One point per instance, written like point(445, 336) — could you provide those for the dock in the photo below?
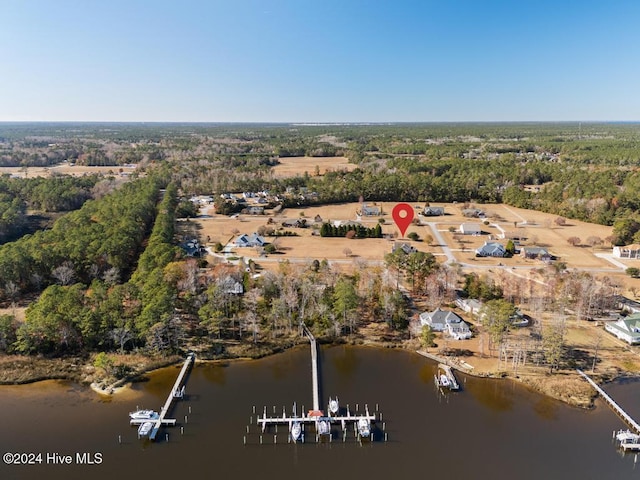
point(314, 368)
point(448, 372)
point(176, 393)
point(614, 406)
point(629, 440)
point(316, 417)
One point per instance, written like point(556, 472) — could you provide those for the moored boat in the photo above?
point(334, 406)
point(323, 426)
point(296, 430)
point(145, 429)
point(364, 427)
point(143, 415)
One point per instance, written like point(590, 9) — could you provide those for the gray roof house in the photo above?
point(405, 247)
point(535, 253)
point(253, 240)
point(491, 249)
point(368, 211)
point(433, 211)
point(446, 321)
point(470, 229)
point(469, 305)
point(231, 285)
point(627, 329)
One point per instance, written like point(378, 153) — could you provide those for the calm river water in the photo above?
point(491, 429)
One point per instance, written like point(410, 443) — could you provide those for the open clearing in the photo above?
point(292, 166)
point(66, 169)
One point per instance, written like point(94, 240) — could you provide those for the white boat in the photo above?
point(296, 430)
point(145, 429)
point(445, 378)
point(364, 428)
point(143, 415)
point(334, 406)
point(323, 426)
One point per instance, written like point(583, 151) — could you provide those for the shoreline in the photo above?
point(565, 386)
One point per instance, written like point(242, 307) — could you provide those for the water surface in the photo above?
point(491, 429)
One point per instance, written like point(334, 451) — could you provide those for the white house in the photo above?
point(628, 251)
point(470, 229)
point(446, 321)
point(469, 305)
point(627, 329)
point(491, 249)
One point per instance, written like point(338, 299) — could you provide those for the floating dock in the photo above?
point(176, 393)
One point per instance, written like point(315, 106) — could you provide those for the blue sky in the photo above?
point(319, 60)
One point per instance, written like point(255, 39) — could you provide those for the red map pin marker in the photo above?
point(402, 214)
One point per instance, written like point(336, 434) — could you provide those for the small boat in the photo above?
point(443, 381)
point(445, 378)
point(334, 406)
point(323, 426)
point(364, 428)
point(296, 430)
point(145, 429)
point(143, 415)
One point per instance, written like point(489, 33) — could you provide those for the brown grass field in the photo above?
point(292, 166)
point(539, 228)
point(64, 169)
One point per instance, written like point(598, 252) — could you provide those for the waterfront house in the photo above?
point(446, 321)
point(626, 329)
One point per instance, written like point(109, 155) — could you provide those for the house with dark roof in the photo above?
point(446, 321)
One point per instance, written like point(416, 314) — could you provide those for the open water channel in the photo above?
point(490, 429)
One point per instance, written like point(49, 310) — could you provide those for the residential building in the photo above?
point(537, 253)
point(470, 229)
point(627, 251)
point(405, 247)
point(491, 249)
point(626, 329)
point(253, 240)
point(446, 321)
point(433, 211)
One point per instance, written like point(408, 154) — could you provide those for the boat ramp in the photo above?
point(157, 420)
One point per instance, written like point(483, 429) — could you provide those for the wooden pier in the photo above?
point(176, 393)
point(614, 406)
point(314, 368)
point(316, 416)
